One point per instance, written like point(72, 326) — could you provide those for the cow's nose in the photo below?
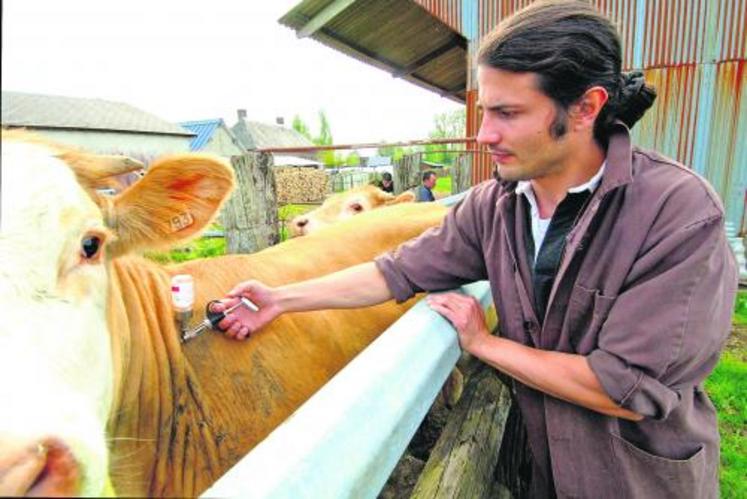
point(44, 468)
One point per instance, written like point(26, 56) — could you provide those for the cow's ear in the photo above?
point(174, 201)
point(405, 197)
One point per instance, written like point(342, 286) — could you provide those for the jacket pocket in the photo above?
point(587, 311)
point(646, 475)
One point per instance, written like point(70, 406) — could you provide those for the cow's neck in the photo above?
point(162, 440)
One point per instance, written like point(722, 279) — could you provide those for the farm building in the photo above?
point(693, 51)
point(253, 135)
point(213, 136)
point(94, 124)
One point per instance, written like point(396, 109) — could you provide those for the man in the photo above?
point(425, 191)
point(609, 268)
point(387, 183)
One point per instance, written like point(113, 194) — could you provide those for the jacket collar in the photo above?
point(619, 169)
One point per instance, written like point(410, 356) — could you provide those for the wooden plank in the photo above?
point(463, 462)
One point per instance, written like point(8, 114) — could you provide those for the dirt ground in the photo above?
point(737, 342)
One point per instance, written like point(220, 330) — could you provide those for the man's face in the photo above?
point(516, 123)
point(430, 182)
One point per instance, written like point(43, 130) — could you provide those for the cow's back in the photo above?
point(243, 390)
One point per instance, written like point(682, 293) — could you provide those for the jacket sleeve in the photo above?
point(441, 258)
point(665, 330)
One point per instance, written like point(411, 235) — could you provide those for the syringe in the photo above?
point(213, 318)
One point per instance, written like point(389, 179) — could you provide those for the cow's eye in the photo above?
point(356, 207)
point(90, 246)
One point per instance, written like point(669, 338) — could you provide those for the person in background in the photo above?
point(608, 264)
point(387, 184)
point(425, 191)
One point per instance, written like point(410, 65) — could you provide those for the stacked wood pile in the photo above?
point(301, 185)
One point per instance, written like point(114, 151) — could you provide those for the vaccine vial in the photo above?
point(182, 299)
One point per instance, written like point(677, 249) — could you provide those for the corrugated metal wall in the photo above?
point(693, 51)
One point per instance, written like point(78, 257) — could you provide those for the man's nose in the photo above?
point(488, 133)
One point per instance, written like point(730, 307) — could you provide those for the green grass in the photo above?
point(727, 387)
point(443, 186)
point(740, 309)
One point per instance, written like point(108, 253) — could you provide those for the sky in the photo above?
point(189, 60)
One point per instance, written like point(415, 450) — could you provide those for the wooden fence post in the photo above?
point(250, 217)
point(463, 462)
point(461, 173)
point(407, 172)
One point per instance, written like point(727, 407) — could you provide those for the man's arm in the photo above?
point(359, 286)
point(562, 375)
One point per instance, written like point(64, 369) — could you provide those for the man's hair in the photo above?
point(427, 174)
point(570, 47)
point(386, 176)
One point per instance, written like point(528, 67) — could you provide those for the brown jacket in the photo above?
point(644, 290)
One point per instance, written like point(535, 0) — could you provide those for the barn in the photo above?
point(693, 52)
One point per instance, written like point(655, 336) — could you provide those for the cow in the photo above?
point(99, 395)
point(345, 205)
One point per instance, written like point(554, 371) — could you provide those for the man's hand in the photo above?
point(465, 314)
point(242, 322)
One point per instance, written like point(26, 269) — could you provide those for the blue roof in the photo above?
point(204, 130)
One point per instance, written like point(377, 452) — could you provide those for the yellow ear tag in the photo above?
point(181, 221)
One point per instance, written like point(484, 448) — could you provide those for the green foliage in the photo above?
point(301, 127)
point(443, 186)
point(445, 126)
point(352, 159)
point(395, 152)
point(325, 132)
point(740, 308)
point(727, 387)
point(199, 248)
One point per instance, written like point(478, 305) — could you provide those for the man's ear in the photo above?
point(173, 202)
point(584, 111)
point(405, 197)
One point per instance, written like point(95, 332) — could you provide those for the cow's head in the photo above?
point(345, 205)
point(57, 236)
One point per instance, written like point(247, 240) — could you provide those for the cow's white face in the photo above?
point(55, 356)
point(343, 206)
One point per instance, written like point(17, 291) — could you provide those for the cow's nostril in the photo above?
point(301, 222)
point(41, 469)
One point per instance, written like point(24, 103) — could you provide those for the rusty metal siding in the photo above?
point(693, 52)
point(449, 11)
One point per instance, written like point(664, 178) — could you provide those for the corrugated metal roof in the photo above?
point(204, 130)
point(52, 111)
point(400, 37)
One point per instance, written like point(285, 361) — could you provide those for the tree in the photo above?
point(446, 125)
point(325, 133)
point(301, 127)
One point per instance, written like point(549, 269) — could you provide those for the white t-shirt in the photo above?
point(540, 225)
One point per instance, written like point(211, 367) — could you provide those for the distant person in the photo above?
point(386, 184)
point(425, 191)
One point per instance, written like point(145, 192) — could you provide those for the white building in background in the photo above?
point(96, 125)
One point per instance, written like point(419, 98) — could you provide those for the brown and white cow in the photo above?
point(345, 205)
point(98, 394)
